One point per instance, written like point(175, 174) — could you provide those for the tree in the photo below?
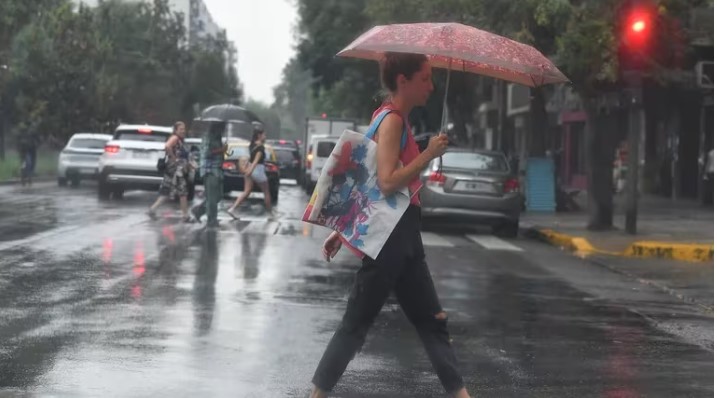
point(90, 69)
point(292, 98)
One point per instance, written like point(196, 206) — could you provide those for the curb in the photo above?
point(692, 252)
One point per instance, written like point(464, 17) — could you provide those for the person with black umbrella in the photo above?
point(211, 160)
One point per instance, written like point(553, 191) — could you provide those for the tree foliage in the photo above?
point(87, 69)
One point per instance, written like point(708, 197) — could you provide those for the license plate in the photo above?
point(141, 155)
point(474, 186)
point(87, 171)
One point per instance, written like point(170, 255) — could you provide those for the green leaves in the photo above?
point(90, 68)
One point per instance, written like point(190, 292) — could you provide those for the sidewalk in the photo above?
point(677, 230)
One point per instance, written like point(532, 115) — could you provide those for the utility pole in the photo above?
point(633, 162)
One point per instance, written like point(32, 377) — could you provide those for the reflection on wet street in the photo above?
point(96, 300)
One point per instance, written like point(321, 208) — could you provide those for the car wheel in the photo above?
point(103, 190)
point(508, 229)
point(118, 193)
point(61, 182)
point(274, 192)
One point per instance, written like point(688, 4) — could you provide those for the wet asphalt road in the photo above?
point(97, 301)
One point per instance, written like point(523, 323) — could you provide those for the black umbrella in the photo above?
point(227, 113)
point(239, 122)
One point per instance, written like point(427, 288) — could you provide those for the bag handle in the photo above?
point(373, 128)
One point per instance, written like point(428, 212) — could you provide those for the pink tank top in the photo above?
point(408, 153)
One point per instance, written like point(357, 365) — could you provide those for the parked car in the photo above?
point(473, 187)
point(238, 152)
point(129, 161)
point(80, 158)
point(320, 148)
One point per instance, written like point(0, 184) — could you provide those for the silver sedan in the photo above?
point(472, 187)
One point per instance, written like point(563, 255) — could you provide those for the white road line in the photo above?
point(432, 239)
point(261, 228)
point(493, 243)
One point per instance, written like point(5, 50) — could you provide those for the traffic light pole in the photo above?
point(633, 169)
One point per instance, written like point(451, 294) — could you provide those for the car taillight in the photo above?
point(511, 186)
point(229, 166)
point(436, 178)
point(112, 148)
point(309, 158)
point(272, 167)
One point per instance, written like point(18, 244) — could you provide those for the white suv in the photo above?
point(80, 158)
point(320, 148)
point(130, 160)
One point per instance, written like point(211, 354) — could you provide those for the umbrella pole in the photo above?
point(444, 117)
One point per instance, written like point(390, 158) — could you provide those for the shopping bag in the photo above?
point(347, 197)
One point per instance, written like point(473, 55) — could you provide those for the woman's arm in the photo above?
point(391, 178)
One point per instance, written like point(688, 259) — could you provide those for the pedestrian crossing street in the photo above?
point(262, 225)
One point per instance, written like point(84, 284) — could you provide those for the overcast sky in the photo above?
point(263, 34)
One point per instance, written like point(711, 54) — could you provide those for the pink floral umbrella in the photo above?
point(458, 47)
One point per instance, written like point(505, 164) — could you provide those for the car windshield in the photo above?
point(475, 161)
point(136, 135)
point(324, 148)
point(87, 143)
point(286, 156)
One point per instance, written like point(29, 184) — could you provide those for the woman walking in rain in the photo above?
point(401, 266)
point(255, 172)
point(176, 171)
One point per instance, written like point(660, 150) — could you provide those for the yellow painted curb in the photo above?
point(674, 251)
point(580, 246)
point(644, 249)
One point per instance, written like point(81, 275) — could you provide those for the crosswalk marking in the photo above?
point(261, 228)
point(264, 226)
point(432, 239)
point(493, 243)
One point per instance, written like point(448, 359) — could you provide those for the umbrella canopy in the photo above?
point(459, 47)
point(228, 112)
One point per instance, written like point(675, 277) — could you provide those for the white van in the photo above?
point(319, 149)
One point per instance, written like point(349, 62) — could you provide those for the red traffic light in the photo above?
point(323, 116)
point(638, 26)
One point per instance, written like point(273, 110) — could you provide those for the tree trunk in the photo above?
point(600, 155)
